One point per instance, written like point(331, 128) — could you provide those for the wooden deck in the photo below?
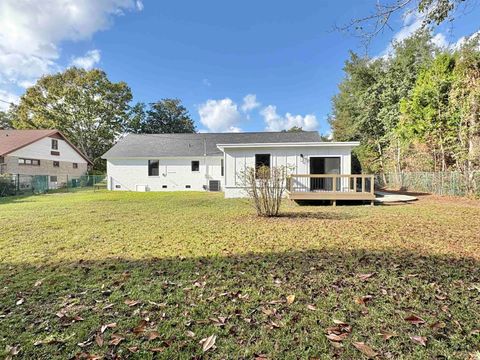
point(331, 187)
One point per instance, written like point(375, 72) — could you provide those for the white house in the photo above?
point(215, 161)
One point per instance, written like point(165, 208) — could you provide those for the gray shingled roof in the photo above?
point(158, 145)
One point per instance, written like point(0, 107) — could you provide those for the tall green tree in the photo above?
point(465, 103)
point(5, 120)
point(356, 107)
point(367, 105)
point(426, 114)
point(85, 105)
point(161, 117)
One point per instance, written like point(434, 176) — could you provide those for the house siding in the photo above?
point(174, 172)
point(46, 167)
point(238, 160)
point(41, 150)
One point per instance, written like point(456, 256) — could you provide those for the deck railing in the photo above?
point(331, 186)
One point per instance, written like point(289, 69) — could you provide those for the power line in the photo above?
point(7, 102)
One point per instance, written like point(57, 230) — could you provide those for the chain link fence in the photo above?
point(441, 183)
point(17, 184)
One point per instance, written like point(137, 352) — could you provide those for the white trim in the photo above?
point(292, 144)
point(162, 157)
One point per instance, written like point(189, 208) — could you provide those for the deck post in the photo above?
point(334, 203)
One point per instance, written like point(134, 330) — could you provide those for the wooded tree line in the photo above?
point(92, 111)
point(415, 109)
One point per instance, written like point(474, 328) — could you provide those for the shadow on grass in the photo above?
point(242, 300)
point(316, 215)
point(16, 199)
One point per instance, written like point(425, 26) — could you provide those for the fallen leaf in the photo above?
point(334, 337)
point(116, 339)
point(20, 301)
point(157, 350)
point(153, 335)
point(422, 340)
point(274, 325)
point(140, 328)
point(339, 322)
point(267, 312)
point(190, 334)
point(133, 349)
point(387, 335)
point(290, 299)
point(85, 343)
point(311, 307)
point(60, 314)
point(38, 283)
point(99, 340)
point(131, 302)
point(438, 325)
point(12, 350)
point(107, 326)
point(365, 349)
point(209, 342)
point(362, 300)
point(365, 277)
point(415, 320)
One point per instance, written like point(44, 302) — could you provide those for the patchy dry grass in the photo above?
point(172, 269)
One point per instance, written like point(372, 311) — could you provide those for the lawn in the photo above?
point(151, 275)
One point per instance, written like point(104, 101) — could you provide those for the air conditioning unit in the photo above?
point(214, 185)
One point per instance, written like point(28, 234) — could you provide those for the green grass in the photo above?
point(192, 258)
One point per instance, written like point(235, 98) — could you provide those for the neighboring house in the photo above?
point(41, 152)
point(215, 161)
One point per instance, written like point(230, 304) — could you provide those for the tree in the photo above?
point(5, 120)
point(161, 117)
point(426, 114)
point(356, 108)
point(465, 107)
point(85, 105)
point(136, 115)
point(433, 12)
point(294, 129)
point(367, 108)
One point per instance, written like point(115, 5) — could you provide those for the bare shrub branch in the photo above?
point(265, 187)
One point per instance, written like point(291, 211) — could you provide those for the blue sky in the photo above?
point(212, 54)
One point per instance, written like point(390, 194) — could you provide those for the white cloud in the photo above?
point(460, 42)
point(139, 5)
point(31, 31)
point(234, 129)
point(440, 40)
point(220, 115)
point(206, 82)
point(7, 98)
point(412, 21)
point(250, 102)
point(88, 61)
point(276, 122)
